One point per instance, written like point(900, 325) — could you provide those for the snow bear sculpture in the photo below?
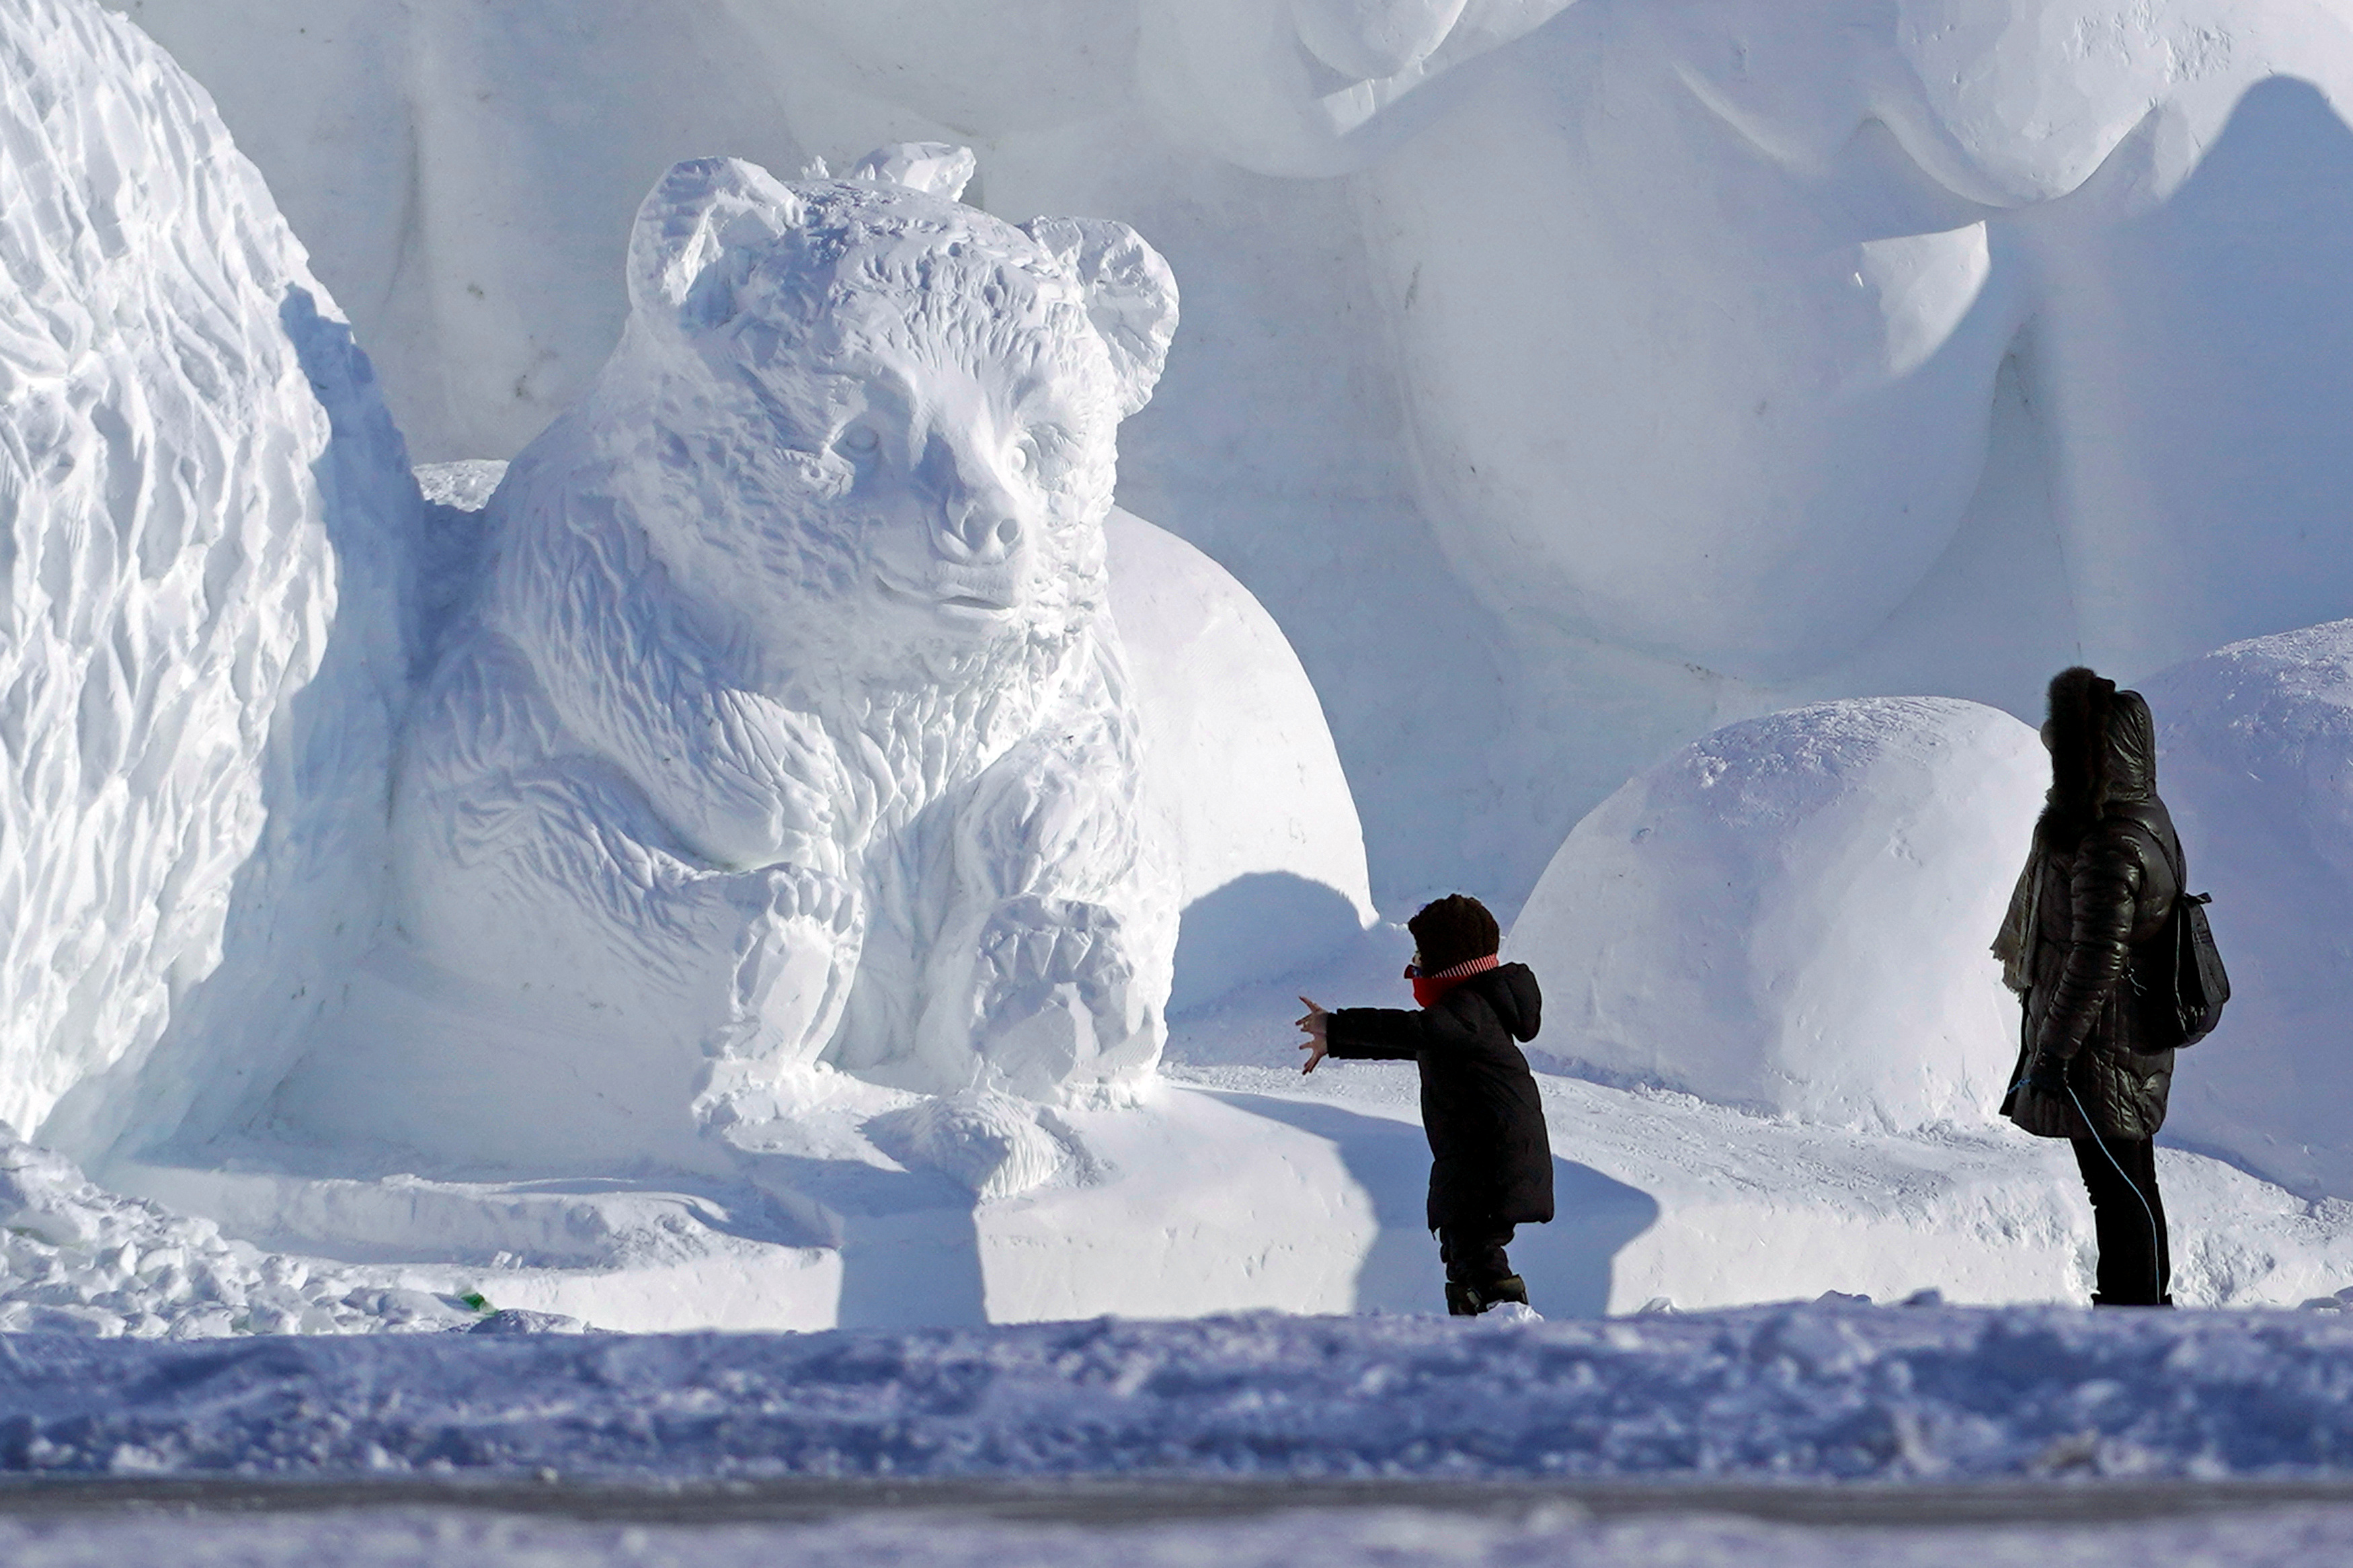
point(790, 726)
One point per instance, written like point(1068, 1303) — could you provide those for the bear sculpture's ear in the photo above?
point(703, 212)
point(1131, 295)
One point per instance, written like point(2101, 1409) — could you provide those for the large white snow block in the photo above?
point(788, 724)
point(1793, 914)
point(197, 640)
point(2255, 759)
point(1241, 764)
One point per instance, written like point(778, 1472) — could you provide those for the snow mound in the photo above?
point(1792, 915)
point(2255, 747)
point(990, 1144)
point(1238, 757)
point(1780, 1394)
point(200, 647)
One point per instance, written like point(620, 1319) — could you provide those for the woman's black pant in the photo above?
point(1473, 1252)
point(2136, 1265)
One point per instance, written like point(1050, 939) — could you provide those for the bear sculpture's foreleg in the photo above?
point(1048, 969)
point(550, 884)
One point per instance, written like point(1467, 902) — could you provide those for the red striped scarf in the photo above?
point(1428, 988)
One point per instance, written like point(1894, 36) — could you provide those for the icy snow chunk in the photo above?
point(788, 724)
point(198, 650)
point(518, 1320)
point(2255, 760)
point(464, 486)
point(936, 168)
point(77, 1258)
point(1792, 915)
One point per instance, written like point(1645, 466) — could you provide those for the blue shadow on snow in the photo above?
point(1566, 1263)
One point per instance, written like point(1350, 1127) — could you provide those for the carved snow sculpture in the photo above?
point(199, 653)
point(1301, 87)
point(1731, 352)
point(1791, 915)
point(1245, 786)
point(790, 726)
point(1874, 345)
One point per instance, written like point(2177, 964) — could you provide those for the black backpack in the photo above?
point(2188, 997)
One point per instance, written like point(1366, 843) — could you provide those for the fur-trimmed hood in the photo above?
point(2103, 745)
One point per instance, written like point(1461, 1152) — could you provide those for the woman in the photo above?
point(2095, 1064)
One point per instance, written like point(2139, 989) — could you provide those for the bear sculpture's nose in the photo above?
point(981, 530)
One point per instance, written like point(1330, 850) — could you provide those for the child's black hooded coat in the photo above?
point(1491, 1158)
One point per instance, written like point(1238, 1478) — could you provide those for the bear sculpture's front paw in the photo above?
point(1056, 990)
point(795, 951)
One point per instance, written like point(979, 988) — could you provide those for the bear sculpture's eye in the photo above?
point(860, 440)
point(1042, 453)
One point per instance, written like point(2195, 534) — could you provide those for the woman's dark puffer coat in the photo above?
point(1490, 1157)
point(2082, 921)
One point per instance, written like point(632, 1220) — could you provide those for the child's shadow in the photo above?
point(1566, 1264)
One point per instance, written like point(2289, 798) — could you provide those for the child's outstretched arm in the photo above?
point(1361, 1034)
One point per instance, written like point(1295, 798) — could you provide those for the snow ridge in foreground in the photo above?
point(1823, 1391)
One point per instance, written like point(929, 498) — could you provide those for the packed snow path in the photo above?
point(1554, 1533)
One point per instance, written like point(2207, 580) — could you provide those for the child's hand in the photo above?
point(1318, 1043)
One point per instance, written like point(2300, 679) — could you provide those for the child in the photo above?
point(1491, 1166)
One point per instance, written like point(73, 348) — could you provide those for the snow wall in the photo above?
point(1792, 915)
point(2255, 747)
point(200, 655)
point(1568, 380)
